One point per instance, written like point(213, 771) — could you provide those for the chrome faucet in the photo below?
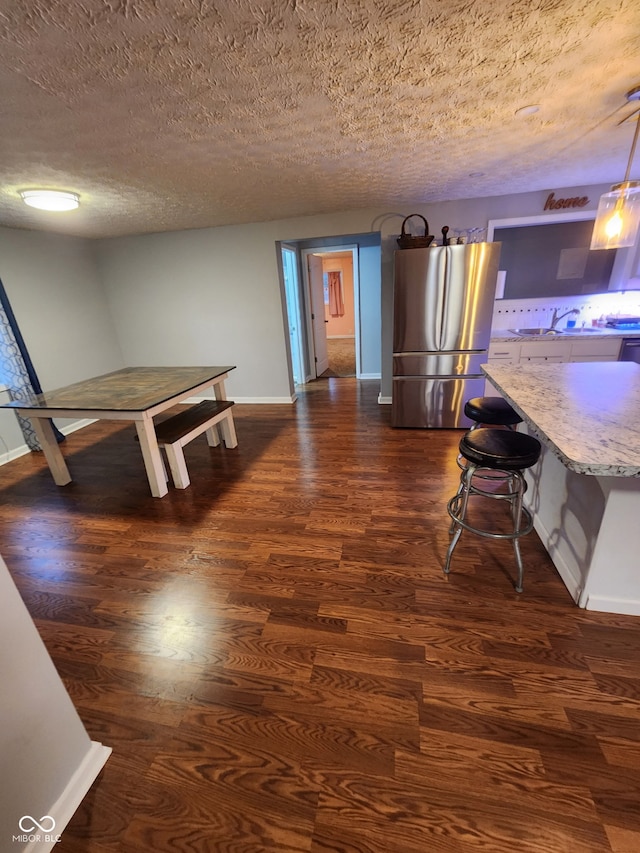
point(555, 319)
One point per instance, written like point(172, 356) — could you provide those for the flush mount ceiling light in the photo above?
point(618, 214)
point(50, 199)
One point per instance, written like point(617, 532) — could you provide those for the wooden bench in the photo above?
point(182, 428)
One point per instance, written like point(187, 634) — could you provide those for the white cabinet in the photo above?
point(531, 351)
point(560, 348)
point(556, 349)
point(600, 349)
point(507, 352)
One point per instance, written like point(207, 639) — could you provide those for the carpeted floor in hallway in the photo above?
point(342, 357)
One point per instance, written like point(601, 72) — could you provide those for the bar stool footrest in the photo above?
point(454, 505)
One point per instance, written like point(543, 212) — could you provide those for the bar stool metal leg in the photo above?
point(457, 508)
point(517, 517)
point(494, 462)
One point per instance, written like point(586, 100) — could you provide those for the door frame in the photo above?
point(325, 250)
point(294, 311)
point(316, 314)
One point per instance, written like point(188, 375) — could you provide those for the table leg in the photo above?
point(152, 458)
point(219, 390)
point(227, 425)
point(58, 467)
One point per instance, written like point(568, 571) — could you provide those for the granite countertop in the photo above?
point(587, 413)
point(563, 335)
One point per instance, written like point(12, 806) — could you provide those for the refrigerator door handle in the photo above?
point(441, 299)
point(445, 291)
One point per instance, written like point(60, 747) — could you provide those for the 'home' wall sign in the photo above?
point(553, 203)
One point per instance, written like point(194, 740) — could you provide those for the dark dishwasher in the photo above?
point(630, 350)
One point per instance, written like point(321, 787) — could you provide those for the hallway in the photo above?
point(342, 358)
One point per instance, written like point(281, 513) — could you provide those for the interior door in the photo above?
point(316, 294)
point(292, 296)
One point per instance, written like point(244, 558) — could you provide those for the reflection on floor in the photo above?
point(342, 357)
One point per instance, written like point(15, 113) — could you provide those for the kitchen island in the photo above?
point(585, 491)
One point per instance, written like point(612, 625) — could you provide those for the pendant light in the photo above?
point(618, 214)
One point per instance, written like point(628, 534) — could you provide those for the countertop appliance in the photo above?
point(630, 350)
point(443, 307)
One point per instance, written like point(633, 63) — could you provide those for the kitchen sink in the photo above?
point(538, 331)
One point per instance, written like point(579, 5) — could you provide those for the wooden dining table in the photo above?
point(135, 394)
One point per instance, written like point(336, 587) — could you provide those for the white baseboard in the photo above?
point(384, 401)
point(14, 454)
point(369, 376)
point(77, 425)
point(63, 809)
point(569, 578)
point(259, 400)
point(603, 604)
point(23, 449)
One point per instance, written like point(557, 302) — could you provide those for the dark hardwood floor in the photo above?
point(279, 663)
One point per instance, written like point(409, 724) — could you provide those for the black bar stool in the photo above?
point(491, 411)
point(501, 455)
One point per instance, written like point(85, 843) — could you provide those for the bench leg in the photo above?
point(213, 439)
point(177, 465)
point(229, 431)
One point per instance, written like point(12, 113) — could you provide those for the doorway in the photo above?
point(302, 349)
point(332, 283)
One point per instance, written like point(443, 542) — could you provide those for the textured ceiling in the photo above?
point(173, 114)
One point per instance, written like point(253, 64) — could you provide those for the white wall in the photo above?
point(528, 313)
point(48, 761)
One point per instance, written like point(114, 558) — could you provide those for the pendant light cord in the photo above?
point(633, 148)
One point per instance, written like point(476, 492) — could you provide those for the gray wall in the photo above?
point(59, 302)
point(370, 310)
point(203, 296)
point(168, 291)
point(209, 296)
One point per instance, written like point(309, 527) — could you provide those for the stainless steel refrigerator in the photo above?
point(442, 312)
